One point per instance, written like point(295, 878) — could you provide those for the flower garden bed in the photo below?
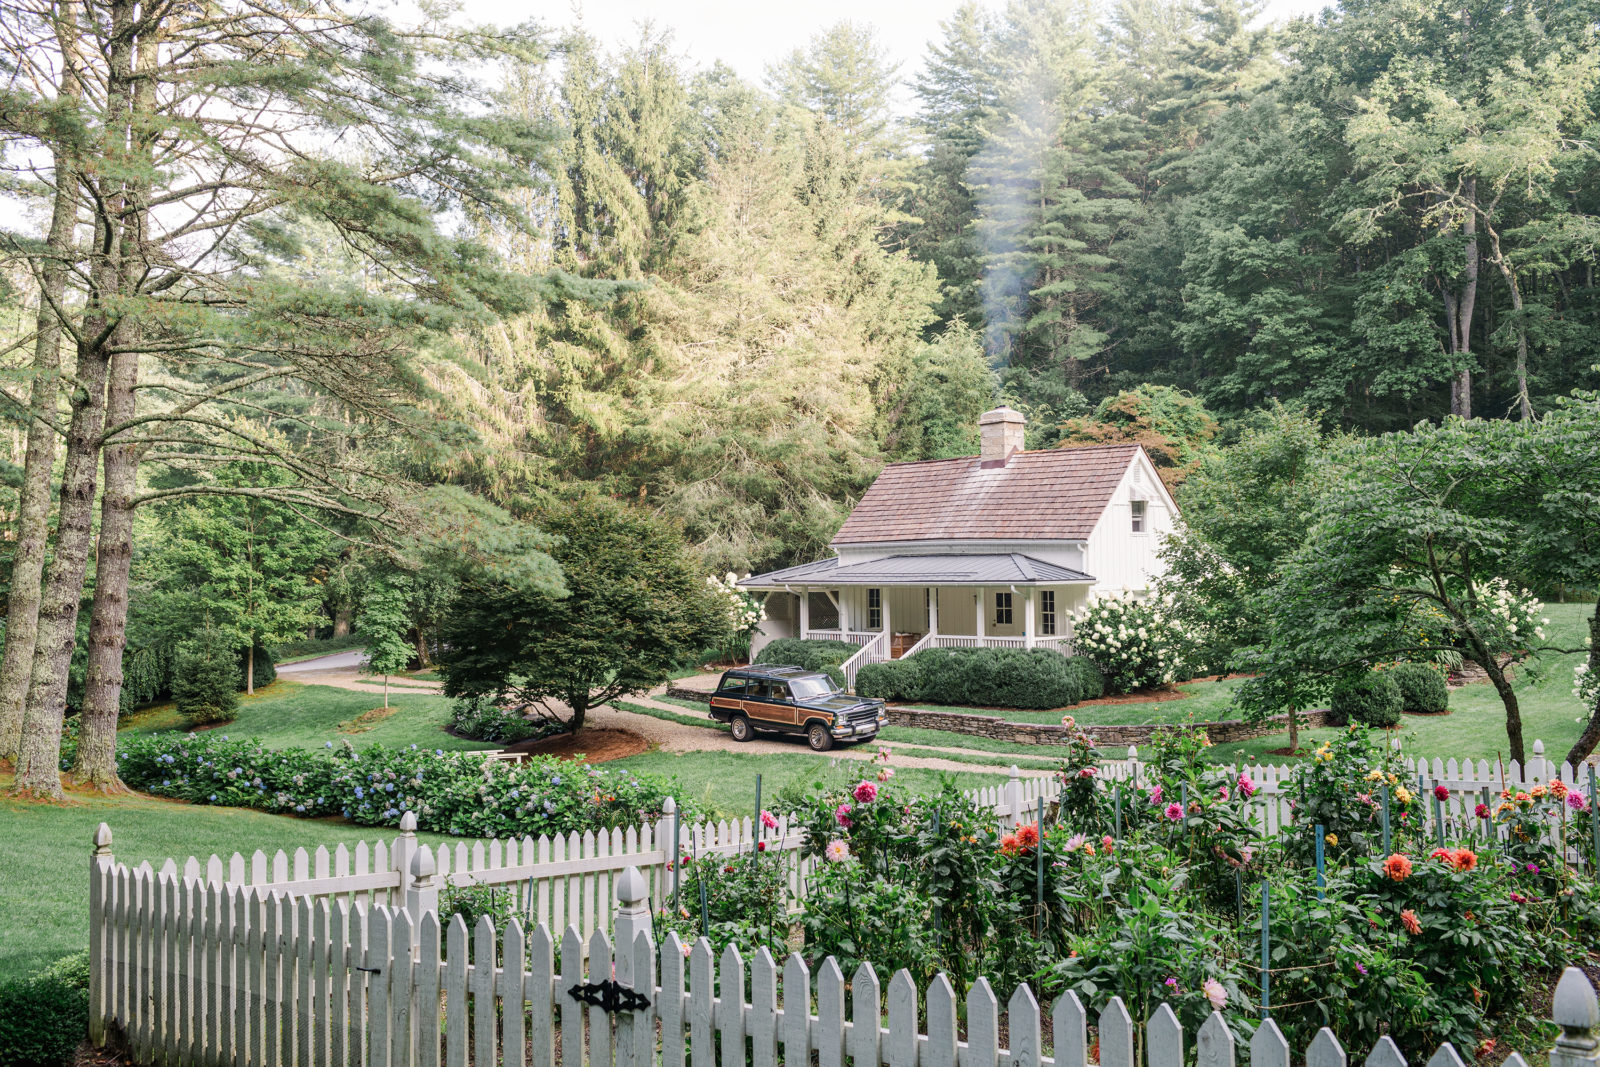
point(1169, 892)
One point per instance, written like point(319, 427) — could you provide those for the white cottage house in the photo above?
point(997, 549)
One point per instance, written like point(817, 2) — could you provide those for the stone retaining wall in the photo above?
point(1028, 733)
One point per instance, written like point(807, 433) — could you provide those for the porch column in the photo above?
point(883, 601)
point(1027, 618)
point(843, 604)
point(933, 610)
point(982, 614)
point(805, 613)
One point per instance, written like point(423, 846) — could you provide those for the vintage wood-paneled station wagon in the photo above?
point(793, 700)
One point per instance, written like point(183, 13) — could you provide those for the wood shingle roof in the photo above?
point(1055, 494)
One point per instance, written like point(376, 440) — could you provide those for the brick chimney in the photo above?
point(1000, 432)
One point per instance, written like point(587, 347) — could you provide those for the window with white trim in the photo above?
point(1002, 609)
point(1136, 508)
point(1047, 611)
point(874, 609)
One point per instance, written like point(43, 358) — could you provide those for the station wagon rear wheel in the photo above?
point(819, 738)
point(741, 728)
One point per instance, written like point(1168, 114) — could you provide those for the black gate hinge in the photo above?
point(609, 997)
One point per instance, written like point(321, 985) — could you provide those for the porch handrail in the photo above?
point(873, 651)
point(923, 642)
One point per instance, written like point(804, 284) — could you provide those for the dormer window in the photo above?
point(1136, 509)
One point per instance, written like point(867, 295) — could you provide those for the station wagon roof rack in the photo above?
point(775, 669)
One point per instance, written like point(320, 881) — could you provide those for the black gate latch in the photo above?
point(609, 997)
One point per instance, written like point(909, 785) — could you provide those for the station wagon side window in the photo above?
point(736, 686)
point(775, 691)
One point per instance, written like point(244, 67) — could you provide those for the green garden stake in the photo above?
point(1238, 892)
point(1322, 841)
point(705, 909)
point(1266, 946)
point(1422, 791)
point(677, 853)
point(1488, 824)
point(1438, 821)
point(936, 906)
point(1183, 796)
point(1038, 856)
point(1385, 816)
point(758, 825)
point(1116, 804)
point(1594, 818)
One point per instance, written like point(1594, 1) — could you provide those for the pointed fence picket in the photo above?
point(334, 982)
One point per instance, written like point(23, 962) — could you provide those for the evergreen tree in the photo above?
point(205, 677)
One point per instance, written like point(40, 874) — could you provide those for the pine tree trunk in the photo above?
point(33, 505)
point(38, 767)
point(1459, 305)
point(1294, 730)
point(250, 669)
point(96, 762)
point(1590, 737)
point(386, 691)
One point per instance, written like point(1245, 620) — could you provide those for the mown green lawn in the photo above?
point(289, 714)
point(723, 784)
point(44, 858)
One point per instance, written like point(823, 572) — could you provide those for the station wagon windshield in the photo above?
point(810, 688)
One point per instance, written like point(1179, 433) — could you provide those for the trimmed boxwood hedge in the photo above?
point(822, 656)
point(985, 677)
point(1372, 699)
point(44, 1018)
point(1422, 689)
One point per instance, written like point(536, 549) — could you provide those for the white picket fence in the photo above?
point(260, 979)
point(568, 880)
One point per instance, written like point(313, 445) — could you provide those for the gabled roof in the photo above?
point(1001, 568)
point(1055, 494)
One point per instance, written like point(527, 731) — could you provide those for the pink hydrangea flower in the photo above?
point(1222, 792)
point(1155, 795)
point(865, 792)
point(1246, 786)
point(1576, 802)
point(842, 815)
point(1174, 811)
point(769, 820)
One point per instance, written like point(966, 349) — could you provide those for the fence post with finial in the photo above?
point(1575, 1009)
point(405, 847)
point(1013, 799)
point(422, 890)
point(633, 918)
point(102, 866)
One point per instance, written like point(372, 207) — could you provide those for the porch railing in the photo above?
point(873, 651)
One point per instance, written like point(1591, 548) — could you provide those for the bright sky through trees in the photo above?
point(748, 36)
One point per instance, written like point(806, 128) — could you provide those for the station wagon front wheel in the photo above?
point(819, 738)
point(742, 731)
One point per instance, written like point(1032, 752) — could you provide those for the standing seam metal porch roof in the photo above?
point(1009, 568)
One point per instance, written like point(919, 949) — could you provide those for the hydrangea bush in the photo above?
point(451, 792)
point(1135, 642)
point(743, 612)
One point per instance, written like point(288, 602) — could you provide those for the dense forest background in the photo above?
point(1385, 214)
point(311, 324)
